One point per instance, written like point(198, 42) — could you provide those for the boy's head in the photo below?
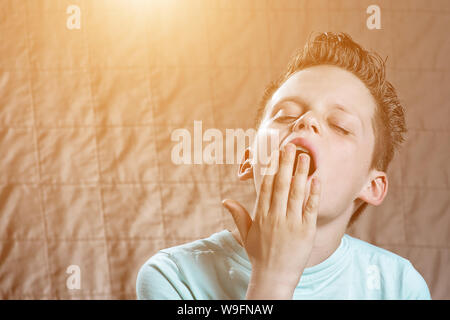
point(335, 96)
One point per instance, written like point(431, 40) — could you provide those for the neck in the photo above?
point(327, 240)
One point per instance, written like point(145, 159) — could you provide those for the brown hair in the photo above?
point(340, 50)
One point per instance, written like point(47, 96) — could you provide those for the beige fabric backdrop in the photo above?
point(86, 117)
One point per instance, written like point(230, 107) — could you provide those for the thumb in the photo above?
point(240, 216)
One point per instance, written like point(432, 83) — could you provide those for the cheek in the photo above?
point(342, 167)
point(344, 157)
point(339, 186)
point(345, 167)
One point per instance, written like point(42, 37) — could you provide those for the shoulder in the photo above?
point(169, 270)
point(172, 258)
point(209, 246)
point(372, 252)
point(158, 278)
point(394, 270)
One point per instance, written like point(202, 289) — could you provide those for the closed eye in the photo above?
point(285, 119)
point(342, 130)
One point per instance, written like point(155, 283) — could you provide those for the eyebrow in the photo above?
point(353, 114)
point(303, 103)
point(295, 99)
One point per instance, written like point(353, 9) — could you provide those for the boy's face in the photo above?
point(317, 104)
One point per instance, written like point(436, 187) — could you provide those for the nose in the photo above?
point(308, 121)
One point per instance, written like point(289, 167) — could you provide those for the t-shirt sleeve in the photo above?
point(160, 279)
point(414, 286)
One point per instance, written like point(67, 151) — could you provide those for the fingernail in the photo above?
point(304, 158)
point(289, 148)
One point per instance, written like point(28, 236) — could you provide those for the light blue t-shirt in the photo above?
point(218, 267)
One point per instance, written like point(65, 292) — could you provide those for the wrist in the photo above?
point(275, 278)
point(268, 291)
point(264, 285)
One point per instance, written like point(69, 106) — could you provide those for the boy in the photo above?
point(337, 123)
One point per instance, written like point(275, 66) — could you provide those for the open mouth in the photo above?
point(312, 166)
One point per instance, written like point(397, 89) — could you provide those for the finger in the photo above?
point(282, 182)
point(312, 205)
point(265, 191)
point(241, 217)
point(297, 192)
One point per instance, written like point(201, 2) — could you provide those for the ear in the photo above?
point(375, 189)
point(246, 167)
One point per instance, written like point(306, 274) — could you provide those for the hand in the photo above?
point(280, 238)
